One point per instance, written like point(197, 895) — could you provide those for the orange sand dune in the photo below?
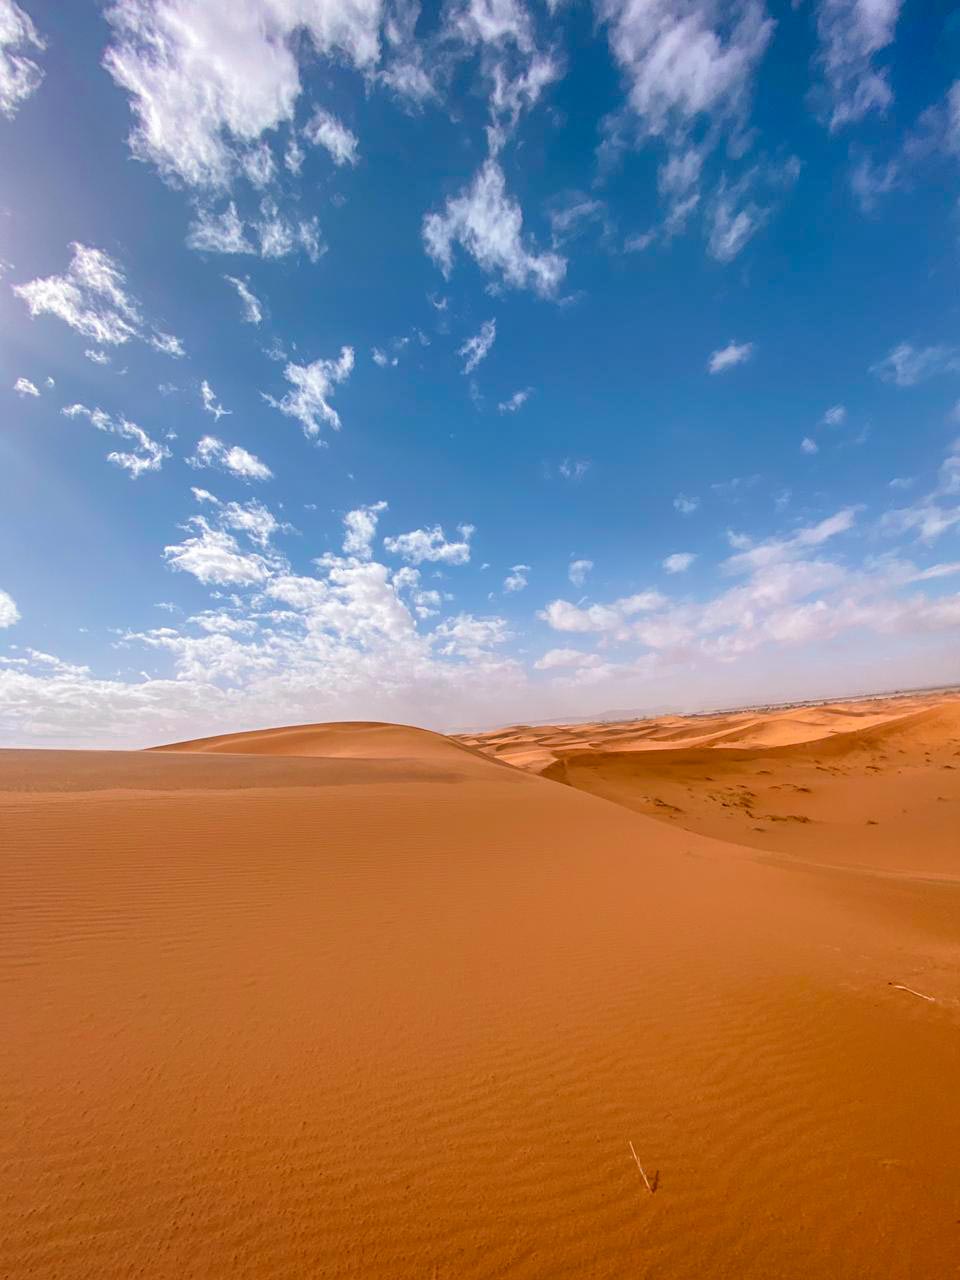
point(369, 1005)
point(873, 783)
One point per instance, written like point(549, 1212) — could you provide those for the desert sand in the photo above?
point(360, 1000)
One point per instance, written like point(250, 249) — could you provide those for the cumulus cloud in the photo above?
point(206, 82)
point(488, 224)
point(24, 387)
point(478, 347)
point(214, 557)
point(20, 75)
point(730, 356)
point(211, 452)
point(9, 613)
point(852, 33)
point(907, 365)
point(679, 562)
point(469, 636)
point(516, 580)
point(92, 298)
point(313, 385)
point(432, 545)
point(146, 455)
point(578, 570)
point(324, 130)
point(361, 529)
point(252, 307)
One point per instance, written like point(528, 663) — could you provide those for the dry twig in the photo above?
point(900, 987)
point(646, 1180)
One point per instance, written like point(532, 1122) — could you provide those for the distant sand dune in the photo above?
point(354, 1001)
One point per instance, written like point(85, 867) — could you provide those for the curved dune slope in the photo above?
point(874, 783)
point(367, 739)
point(401, 1016)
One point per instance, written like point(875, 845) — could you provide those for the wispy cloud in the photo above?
point(730, 356)
point(252, 307)
point(478, 347)
point(852, 33)
point(91, 297)
point(147, 454)
point(907, 365)
point(488, 224)
point(20, 75)
point(313, 385)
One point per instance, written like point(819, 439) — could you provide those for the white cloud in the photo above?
point(906, 365)
point(835, 416)
point(478, 347)
point(252, 307)
point(20, 76)
point(168, 343)
point(9, 613)
point(516, 401)
point(488, 224)
point(730, 356)
point(431, 544)
point(574, 468)
point(679, 562)
point(214, 557)
point(313, 385)
point(565, 659)
point(578, 570)
point(207, 81)
point(281, 236)
point(325, 130)
point(869, 181)
point(361, 529)
point(272, 235)
point(212, 452)
point(258, 166)
point(516, 580)
point(91, 298)
point(210, 403)
point(147, 454)
point(561, 615)
point(678, 66)
point(470, 637)
point(251, 518)
point(809, 446)
point(851, 33)
point(97, 357)
point(686, 505)
point(937, 511)
point(24, 387)
point(219, 232)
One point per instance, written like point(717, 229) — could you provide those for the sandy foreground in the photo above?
point(360, 1000)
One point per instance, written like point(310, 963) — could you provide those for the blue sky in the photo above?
point(472, 363)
